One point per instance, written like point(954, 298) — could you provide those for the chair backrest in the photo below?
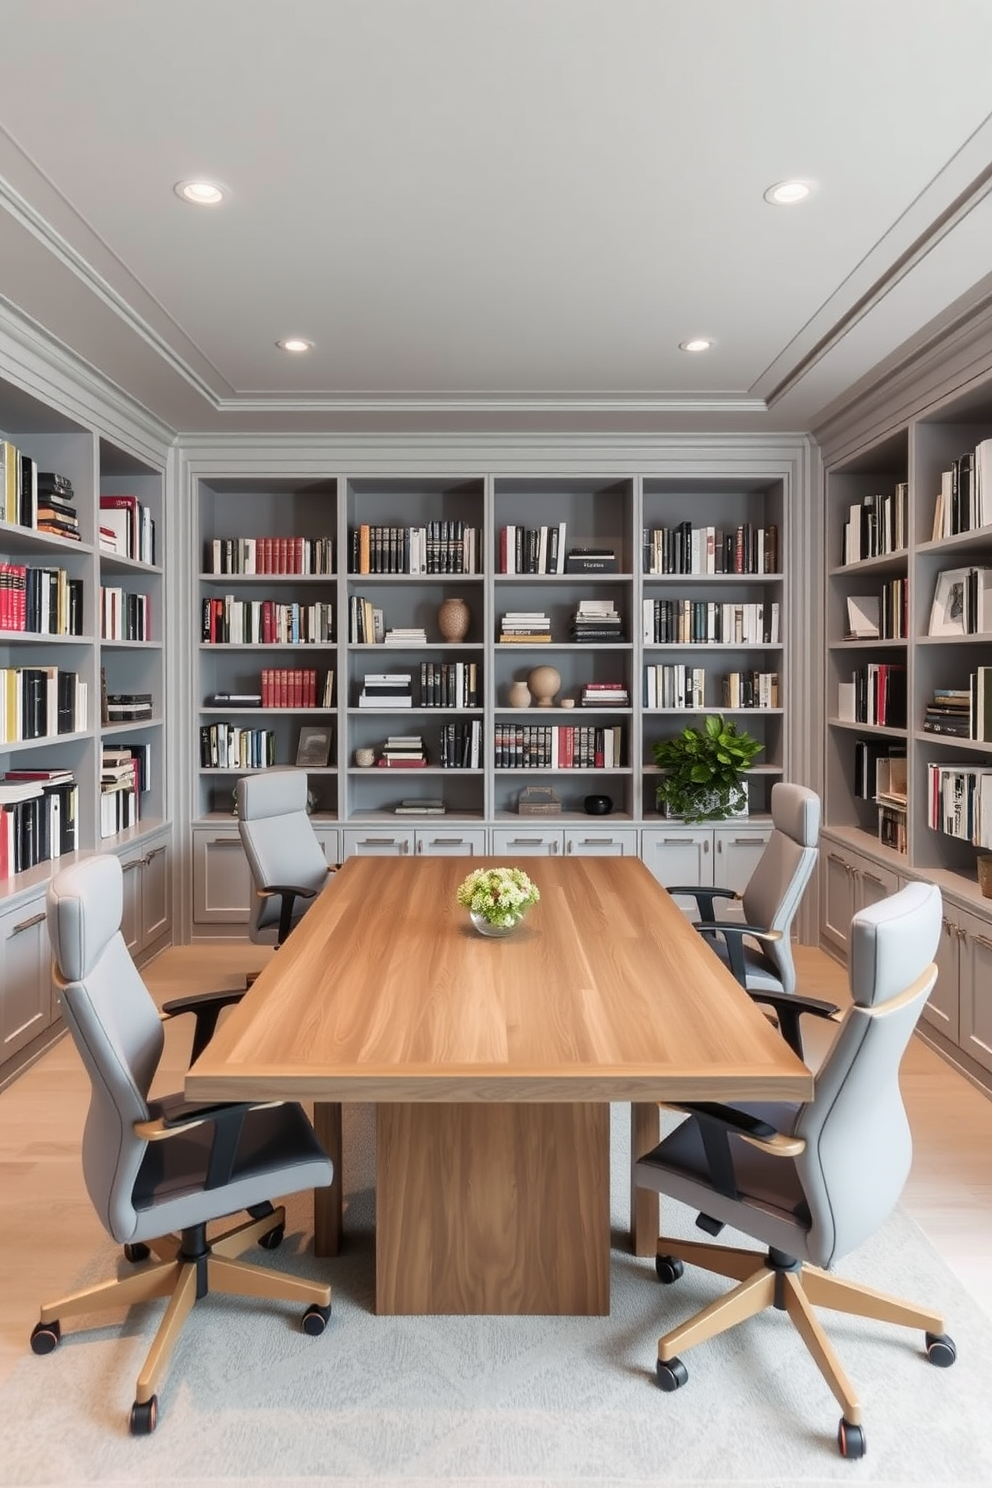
point(776, 886)
point(114, 1024)
point(279, 842)
point(858, 1143)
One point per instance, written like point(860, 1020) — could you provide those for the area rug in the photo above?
point(515, 1402)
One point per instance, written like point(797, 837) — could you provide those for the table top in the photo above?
point(385, 992)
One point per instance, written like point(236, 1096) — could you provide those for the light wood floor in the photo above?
point(50, 1230)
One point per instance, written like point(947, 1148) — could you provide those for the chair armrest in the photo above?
point(206, 1008)
point(716, 1126)
point(703, 896)
point(173, 1116)
point(288, 893)
point(789, 1008)
point(734, 933)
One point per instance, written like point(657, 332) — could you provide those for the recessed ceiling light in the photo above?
point(788, 193)
point(200, 193)
point(294, 343)
point(698, 343)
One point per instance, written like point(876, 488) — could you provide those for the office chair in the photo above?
point(811, 1182)
point(759, 951)
point(286, 861)
point(158, 1165)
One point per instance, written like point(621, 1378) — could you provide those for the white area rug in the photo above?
point(509, 1401)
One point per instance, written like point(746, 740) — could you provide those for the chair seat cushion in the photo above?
point(277, 1154)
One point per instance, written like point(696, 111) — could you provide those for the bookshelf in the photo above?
point(936, 754)
point(57, 630)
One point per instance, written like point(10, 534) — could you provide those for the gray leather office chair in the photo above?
point(813, 1181)
point(759, 950)
point(287, 863)
point(155, 1166)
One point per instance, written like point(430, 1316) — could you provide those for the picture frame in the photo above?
point(314, 748)
point(947, 614)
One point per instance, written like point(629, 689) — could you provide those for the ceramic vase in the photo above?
point(494, 932)
point(518, 695)
point(453, 619)
point(544, 682)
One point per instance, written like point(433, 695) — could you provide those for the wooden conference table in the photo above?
point(492, 1064)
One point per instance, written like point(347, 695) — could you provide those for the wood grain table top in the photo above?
point(385, 992)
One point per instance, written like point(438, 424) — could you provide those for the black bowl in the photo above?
point(598, 805)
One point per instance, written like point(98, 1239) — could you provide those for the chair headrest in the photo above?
point(272, 793)
point(893, 941)
point(796, 812)
point(84, 907)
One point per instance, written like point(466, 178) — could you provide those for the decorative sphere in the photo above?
point(598, 805)
point(544, 682)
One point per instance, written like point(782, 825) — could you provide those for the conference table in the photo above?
point(492, 1065)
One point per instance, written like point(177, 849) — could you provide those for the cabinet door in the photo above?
point(464, 842)
point(222, 886)
point(874, 883)
point(330, 841)
point(585, 843)
point(839, 890)
point(941, 1008)
point(26, 1003)
point(373, 843)
point(156, 894)
point(976, 989)
point(527, 842)
point(131, 912)
point(680, 855)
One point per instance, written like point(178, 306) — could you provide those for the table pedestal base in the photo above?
point(493, 1208)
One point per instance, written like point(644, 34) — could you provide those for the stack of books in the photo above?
point(524, 627)
point(119, 783)
point(55, 511)
point(591, 560)
point(38, 810)
point(403, 752)
point(597, 620)
point(387, 690)
point(949, 712)
point(410, 635)
point(127, 707)
point(605, 695)
point(432, 806)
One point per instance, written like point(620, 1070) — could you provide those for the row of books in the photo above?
point(880, 771)
point(29, 497)
point(449, 684)
point(749, 689)
point(964, 500)
point(876, 525)
point(674, 686)
point(43, 601)
point(229, 746)
point(124, 616)
point(876, 694)
point(700, 622)
point(366, 621)
point(123, 775)
point(269, 555)
point(962, 602)
point(127, 528)
point(579, 746)
point(882, 616)
point(959, 803)
point(532, 550)
point(685, 549)
point(38, 818)
point(443, 547)
point(126, 707)
point(40, 703)
point(461, 745)
point(596, 621)
point(283, 687)
point(266, 622)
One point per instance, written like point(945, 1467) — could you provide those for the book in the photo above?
point(862, 616)
point(420, 808)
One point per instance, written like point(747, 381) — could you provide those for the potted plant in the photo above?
point(704, 770)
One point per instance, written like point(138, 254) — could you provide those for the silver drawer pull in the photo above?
point(448, 841)
point(130, 867)
point(872, 878)
point(749, 841)
point(225, 842)
point(981, 940)
point(154, 853)
point(28, 924)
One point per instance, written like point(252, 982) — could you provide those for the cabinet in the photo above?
point(27, 1006)
point(147, 918)
point(959, 1009)
point(222, 882)
point(849, 881)
point(723, 855)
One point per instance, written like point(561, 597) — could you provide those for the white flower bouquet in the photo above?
point(498, 895)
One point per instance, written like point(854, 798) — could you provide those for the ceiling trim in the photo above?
point(733, 403)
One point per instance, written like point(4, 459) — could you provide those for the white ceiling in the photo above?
point(492, 213)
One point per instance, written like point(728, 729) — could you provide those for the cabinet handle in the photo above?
point(706, 846)
point(961, 932)
point(598, 841)
point(946, 924)
point(872, 878)
point(28, 924)
point(526, 841)
point(981, 940)
point(748, 842)
point(674, 841)
point(378, 842)
point(225, 842)
point(134, 863)
point(154, 853)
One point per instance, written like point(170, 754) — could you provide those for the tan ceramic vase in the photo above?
point(518, 695)
point(453, 619)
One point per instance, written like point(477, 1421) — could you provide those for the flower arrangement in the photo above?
point(498, 895)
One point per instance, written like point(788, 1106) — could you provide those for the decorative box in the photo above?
point(539, 800)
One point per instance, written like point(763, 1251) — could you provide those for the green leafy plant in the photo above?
point(499, 895)
point(704, 770)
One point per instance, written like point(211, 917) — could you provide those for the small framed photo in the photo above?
point(314, 748)
point(947, 614)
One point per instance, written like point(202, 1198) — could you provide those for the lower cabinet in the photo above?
point(28, 1009)
point(222, 883)
point(849, 882)
point(718, 855)
point(960, 1005)
point(147, 917)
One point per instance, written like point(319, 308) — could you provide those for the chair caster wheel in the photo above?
point(941, 1350)
point(851, 1440)
point(144, 1417)
point(315, 1320)
point(669, 1269)
point(137, 1252)
point(272, 1239)
point(45, 1337)
point(670, 1374)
